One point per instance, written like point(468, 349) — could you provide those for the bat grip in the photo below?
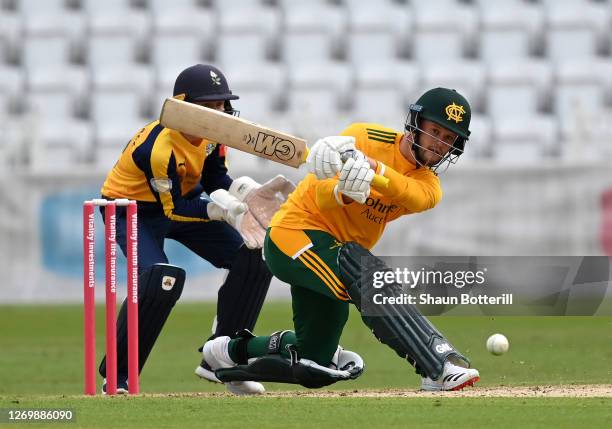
point(378, 180)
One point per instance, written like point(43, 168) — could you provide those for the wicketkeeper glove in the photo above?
point(262, 202)
point(226, 207)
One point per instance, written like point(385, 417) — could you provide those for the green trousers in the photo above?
point(319, 300)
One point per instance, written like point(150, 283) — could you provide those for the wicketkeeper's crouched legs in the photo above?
point(159, 287)
point(243, 293)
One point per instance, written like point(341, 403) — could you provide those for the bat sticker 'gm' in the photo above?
point(272, 146)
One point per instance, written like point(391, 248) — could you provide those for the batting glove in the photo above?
point(355, 179)
point(325, 157)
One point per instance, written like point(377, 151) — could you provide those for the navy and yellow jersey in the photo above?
point(159, 168)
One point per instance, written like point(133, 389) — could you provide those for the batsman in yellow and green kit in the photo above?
point(316, 243)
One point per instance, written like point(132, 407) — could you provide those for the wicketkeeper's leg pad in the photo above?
point(243, 293)
point(275, 368)
point(159, 287)
point(402, 327)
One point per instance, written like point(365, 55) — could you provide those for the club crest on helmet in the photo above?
point(454, 112)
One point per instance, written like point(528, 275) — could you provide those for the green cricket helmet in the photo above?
point(447, 108)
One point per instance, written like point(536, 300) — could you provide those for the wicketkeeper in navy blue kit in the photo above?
point(167, 172)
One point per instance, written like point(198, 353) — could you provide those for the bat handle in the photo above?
point(380, 181)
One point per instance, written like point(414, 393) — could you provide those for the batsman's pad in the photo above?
point(242, 294)
point(275, 368)
point(401, 327)
point(159, 287)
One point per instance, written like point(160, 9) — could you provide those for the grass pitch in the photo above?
point(41, 365)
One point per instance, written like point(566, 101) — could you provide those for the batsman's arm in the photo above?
point(417, 193)
point(379, 181)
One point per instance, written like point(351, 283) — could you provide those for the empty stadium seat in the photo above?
point(116, 115)
point(52, 17)
point(112, 61)
point(164, 7)
point(10, 35)
point(404, 75)
point(12, 81)
point(511, 100)
point(576, 29)
point(222, 6)
point(380, 15)
point(306, 47)
point(535, 72)
point(37, 7)
point(173, 53)
point(517, 153)
point(117, 16)
point(241, 48)
point(301, 16)
point(59, 138)
point(319, 89)
point(444, 30)
point(579, 108)
point(512, 14)
point(313, 102)
point(46, 51)
point(372, 46)
point(197, 21)
point(437, 46)
point(503, 43)
point(538, 129)
point(480, 142)
point(47, 62)
point(4, 106)
point(571, 43)
point(464, 76)
point(254, 18)
point(385, 105)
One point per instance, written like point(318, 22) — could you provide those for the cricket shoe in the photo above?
point(453, 378)
point(122, 386)
point(216, 356)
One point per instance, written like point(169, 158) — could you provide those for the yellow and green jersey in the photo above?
point(315, 206)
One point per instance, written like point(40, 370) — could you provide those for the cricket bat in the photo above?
point(238, 133)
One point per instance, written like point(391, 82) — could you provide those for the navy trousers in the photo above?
point(215, 241)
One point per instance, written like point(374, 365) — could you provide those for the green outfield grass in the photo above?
point(41, 365)
point(283, 413)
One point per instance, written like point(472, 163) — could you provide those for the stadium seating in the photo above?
point(537, 72)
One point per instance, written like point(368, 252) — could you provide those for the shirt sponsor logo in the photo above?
point(377, 211)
